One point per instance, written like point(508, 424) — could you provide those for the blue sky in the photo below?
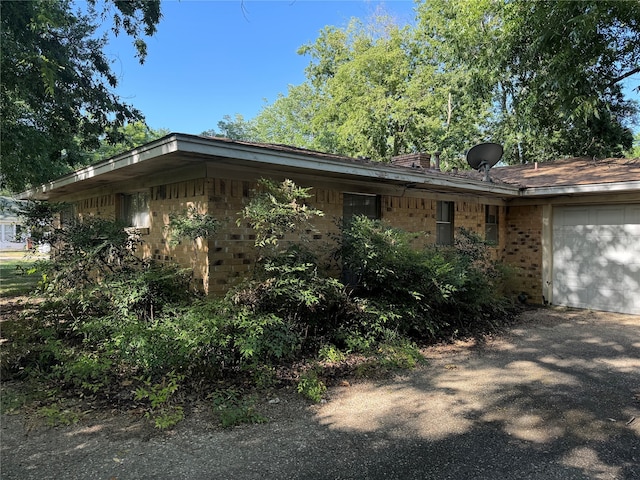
point(212, 58)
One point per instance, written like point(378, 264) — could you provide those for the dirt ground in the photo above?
point(555, 397)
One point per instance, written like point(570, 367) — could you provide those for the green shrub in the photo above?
point(160, 397)
point(310, 386)
point(422, 293)
point(233, 408)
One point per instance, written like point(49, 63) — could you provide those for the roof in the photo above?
point(9, 208)
point(571, 171)
point(177, 152)
point(567, 176)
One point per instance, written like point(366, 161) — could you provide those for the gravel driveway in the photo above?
point(558, 397)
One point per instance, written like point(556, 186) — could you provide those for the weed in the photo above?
point(330, 353)
point(310, 386)
point(159, 396)
point(55, 415)
point(400, 355)
point(233, 408)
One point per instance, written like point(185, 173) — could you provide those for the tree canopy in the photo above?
point(543, 78)
point(56, 94)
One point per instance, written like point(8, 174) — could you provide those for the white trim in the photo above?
point(547, 252)
point(580, 189)
point(213, 150)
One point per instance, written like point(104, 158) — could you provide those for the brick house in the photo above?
point(571, 228)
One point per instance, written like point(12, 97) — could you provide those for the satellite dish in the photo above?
point(484, 156)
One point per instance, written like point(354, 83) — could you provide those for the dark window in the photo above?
point(135, 209)
point(444, 223)
point(355, 204)
point(68, 215)
point(491, 223)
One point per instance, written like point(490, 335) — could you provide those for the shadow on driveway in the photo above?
point(556, 398)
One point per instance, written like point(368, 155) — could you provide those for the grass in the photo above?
point(14, 280)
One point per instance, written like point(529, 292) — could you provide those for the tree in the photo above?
point(542, 78)
point(574, 87)
point(374, 91)
point(289, 120)
point(553, 69)
point(236, 128)
point(634, 152)
point(132, 134)
point(56, 93)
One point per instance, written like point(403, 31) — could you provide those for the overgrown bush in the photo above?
point(424, 291)
point(287, 281)
point(111, 319)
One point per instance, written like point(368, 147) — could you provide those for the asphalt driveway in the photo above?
point(558, 397)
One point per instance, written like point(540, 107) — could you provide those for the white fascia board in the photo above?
point(173, 143)
point(141, 154)
point(618, 187)
point(370, 171)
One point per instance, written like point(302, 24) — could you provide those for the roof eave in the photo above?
point(595, 188)
point(149, 151)
point(309, 161)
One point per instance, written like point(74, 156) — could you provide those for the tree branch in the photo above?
point(625, 75)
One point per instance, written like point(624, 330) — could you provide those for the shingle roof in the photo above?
point(571, 171)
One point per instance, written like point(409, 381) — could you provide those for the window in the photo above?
point(444, 223)
point(135, 209)
point(491, 223)
point(360, 204)
point(68, 215)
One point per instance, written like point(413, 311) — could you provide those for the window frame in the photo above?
point(371, 210)
point(492, 228)
point(445, 222)
point(135, 209)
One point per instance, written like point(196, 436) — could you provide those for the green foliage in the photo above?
point(56, 414)
point(467, 71)
point(421, 292)
point(330, 353)
point(160, 395)
point(547, 101)
point(11, 400)
point(398, 353)
point(289, 120)
point(262, 337)
point(634, 152)
point(191, 225)
point(108, 315)
point(277, 209)
point(291, 286)
point(57, 96)
point(132, 135)
point(311, 386)
point(236, 128)
point(233, 408)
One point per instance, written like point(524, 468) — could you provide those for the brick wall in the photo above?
point(221, 262)
point(177, 198)
point(102, 206)
point(523, 249)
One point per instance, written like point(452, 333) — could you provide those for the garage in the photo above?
point(596, 257)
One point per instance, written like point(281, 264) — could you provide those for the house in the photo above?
point(12, 234)
point(570, 228)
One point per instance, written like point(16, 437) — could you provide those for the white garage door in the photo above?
point(596, 257)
